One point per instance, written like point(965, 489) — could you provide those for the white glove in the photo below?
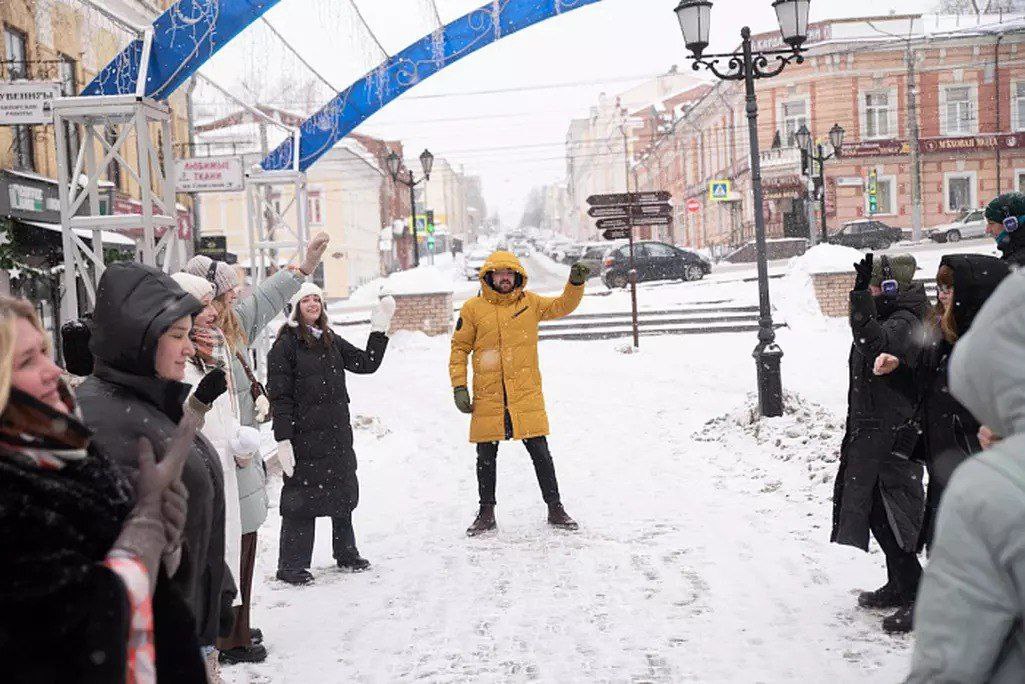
point(380, 321)
point(243, 444)
point(261, 408)
point(286, 457)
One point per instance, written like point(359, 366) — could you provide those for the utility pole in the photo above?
point(630, 235)
point(190, 110)
point(913, 144)
point(268, 218)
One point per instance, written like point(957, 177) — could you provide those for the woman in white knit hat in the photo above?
point(235, 444)
point(310, 403)
point(241, 320)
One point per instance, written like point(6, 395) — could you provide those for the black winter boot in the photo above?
point(256, 635)
point(485, 521)
point(887, 596)
point(356, 563)
point(557, 517)
point(296, 577)
point(254, 653)
point(902, 621)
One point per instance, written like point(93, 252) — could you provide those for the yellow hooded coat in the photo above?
point(500, 330)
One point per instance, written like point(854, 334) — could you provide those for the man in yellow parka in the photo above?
point(499, 327)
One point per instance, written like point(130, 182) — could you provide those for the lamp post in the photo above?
point(804, 141)
point(394, 168)
point(747, 66)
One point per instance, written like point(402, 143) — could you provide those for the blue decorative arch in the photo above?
point(184, 38)
point(419, 61)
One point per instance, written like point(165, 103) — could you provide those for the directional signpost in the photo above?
point(619, 213)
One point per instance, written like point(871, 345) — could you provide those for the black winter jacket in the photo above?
point(123, 400)
point(59, 606)
point(877, 408)
point(310, 404)
point(949, 431)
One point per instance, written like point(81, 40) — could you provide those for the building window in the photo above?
point(16, 67)
point(1019, 180)
point(879, 115)
point(959, 191)
point(69, 87)
point(314, 208)
point(958, 110)
point(886, 196)
point(1018, 106)
point(792, 115)
point(114, 167)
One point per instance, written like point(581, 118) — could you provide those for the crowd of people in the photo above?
point(133, 484)
point(936, 396)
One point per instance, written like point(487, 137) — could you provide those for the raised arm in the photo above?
point(462, 344)
point(364, 361)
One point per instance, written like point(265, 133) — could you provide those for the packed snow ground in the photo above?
point(703, 553)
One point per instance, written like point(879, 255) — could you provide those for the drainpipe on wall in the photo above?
point(996, 82)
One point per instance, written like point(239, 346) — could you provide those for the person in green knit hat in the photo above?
point(1006, 217)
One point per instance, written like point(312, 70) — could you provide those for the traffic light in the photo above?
point(430, 221)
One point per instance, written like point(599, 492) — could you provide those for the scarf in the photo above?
point(206, 341)
point(47, 437)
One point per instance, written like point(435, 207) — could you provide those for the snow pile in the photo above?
point(794, 294)
point(828, 259)
point(424, 279)
point(806, 433)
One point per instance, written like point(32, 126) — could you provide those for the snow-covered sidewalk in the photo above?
point(703, 553)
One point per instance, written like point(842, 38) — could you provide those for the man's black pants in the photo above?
point(902, 567)
point(544, 467)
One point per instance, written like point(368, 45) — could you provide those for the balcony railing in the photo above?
point(781, 161)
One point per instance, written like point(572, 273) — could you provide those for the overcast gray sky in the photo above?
point(514, 138)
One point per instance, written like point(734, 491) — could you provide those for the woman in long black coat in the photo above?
point(310, 404)
point(876, 489)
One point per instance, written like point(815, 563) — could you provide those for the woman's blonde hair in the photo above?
point(230, 326)
point(11, 310)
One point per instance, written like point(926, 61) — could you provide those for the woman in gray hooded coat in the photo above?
point(971, 601)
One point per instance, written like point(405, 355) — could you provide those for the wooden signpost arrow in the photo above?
point(627, 210)
point(611, 199)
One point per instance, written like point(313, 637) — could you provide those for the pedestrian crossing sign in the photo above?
point(719, 190)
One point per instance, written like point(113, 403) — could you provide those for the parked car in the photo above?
point(653, 261)
point(594, 256)
point(521, 250)
point(571, 254)
point(475, 262)
point(972, 225)
point(866, 234)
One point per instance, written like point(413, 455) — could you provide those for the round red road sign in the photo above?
point(693, 205)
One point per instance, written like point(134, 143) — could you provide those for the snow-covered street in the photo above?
point(703, 553)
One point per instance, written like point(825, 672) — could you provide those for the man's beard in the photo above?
point(504, 288)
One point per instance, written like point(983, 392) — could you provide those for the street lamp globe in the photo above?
point(694, 16)
point(427, 161)
point(803, 137)
point(793, 21)
point(394, 163)
point(836, 134)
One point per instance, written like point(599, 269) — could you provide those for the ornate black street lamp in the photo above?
point(746, 66)
point(394, 168)
point(804, 141)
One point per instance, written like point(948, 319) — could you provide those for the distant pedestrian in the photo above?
point(499, 328)
point(878, 488)
point(1006, 222)
point(969, 613)
point(310, 402)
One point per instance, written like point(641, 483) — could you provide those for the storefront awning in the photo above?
point(108, 237)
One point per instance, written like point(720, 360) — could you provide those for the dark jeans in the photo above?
point(902, 567)
point(296, 546)
point(544, 467)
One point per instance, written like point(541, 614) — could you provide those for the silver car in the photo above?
point(971, 226)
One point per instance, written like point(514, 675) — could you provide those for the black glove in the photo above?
point(462, 397)
point(213, 385)
point(578, 273)
point(75, 337)
point(864, 271)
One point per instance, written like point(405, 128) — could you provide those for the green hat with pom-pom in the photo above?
point(1004, 206)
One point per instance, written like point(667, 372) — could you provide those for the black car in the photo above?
point(654, 261)
point(866, 234)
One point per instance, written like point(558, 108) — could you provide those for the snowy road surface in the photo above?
point(703, 553)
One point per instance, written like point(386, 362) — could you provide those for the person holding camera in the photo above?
point(499, 330)
point(878, 487)
point(1005, 215)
